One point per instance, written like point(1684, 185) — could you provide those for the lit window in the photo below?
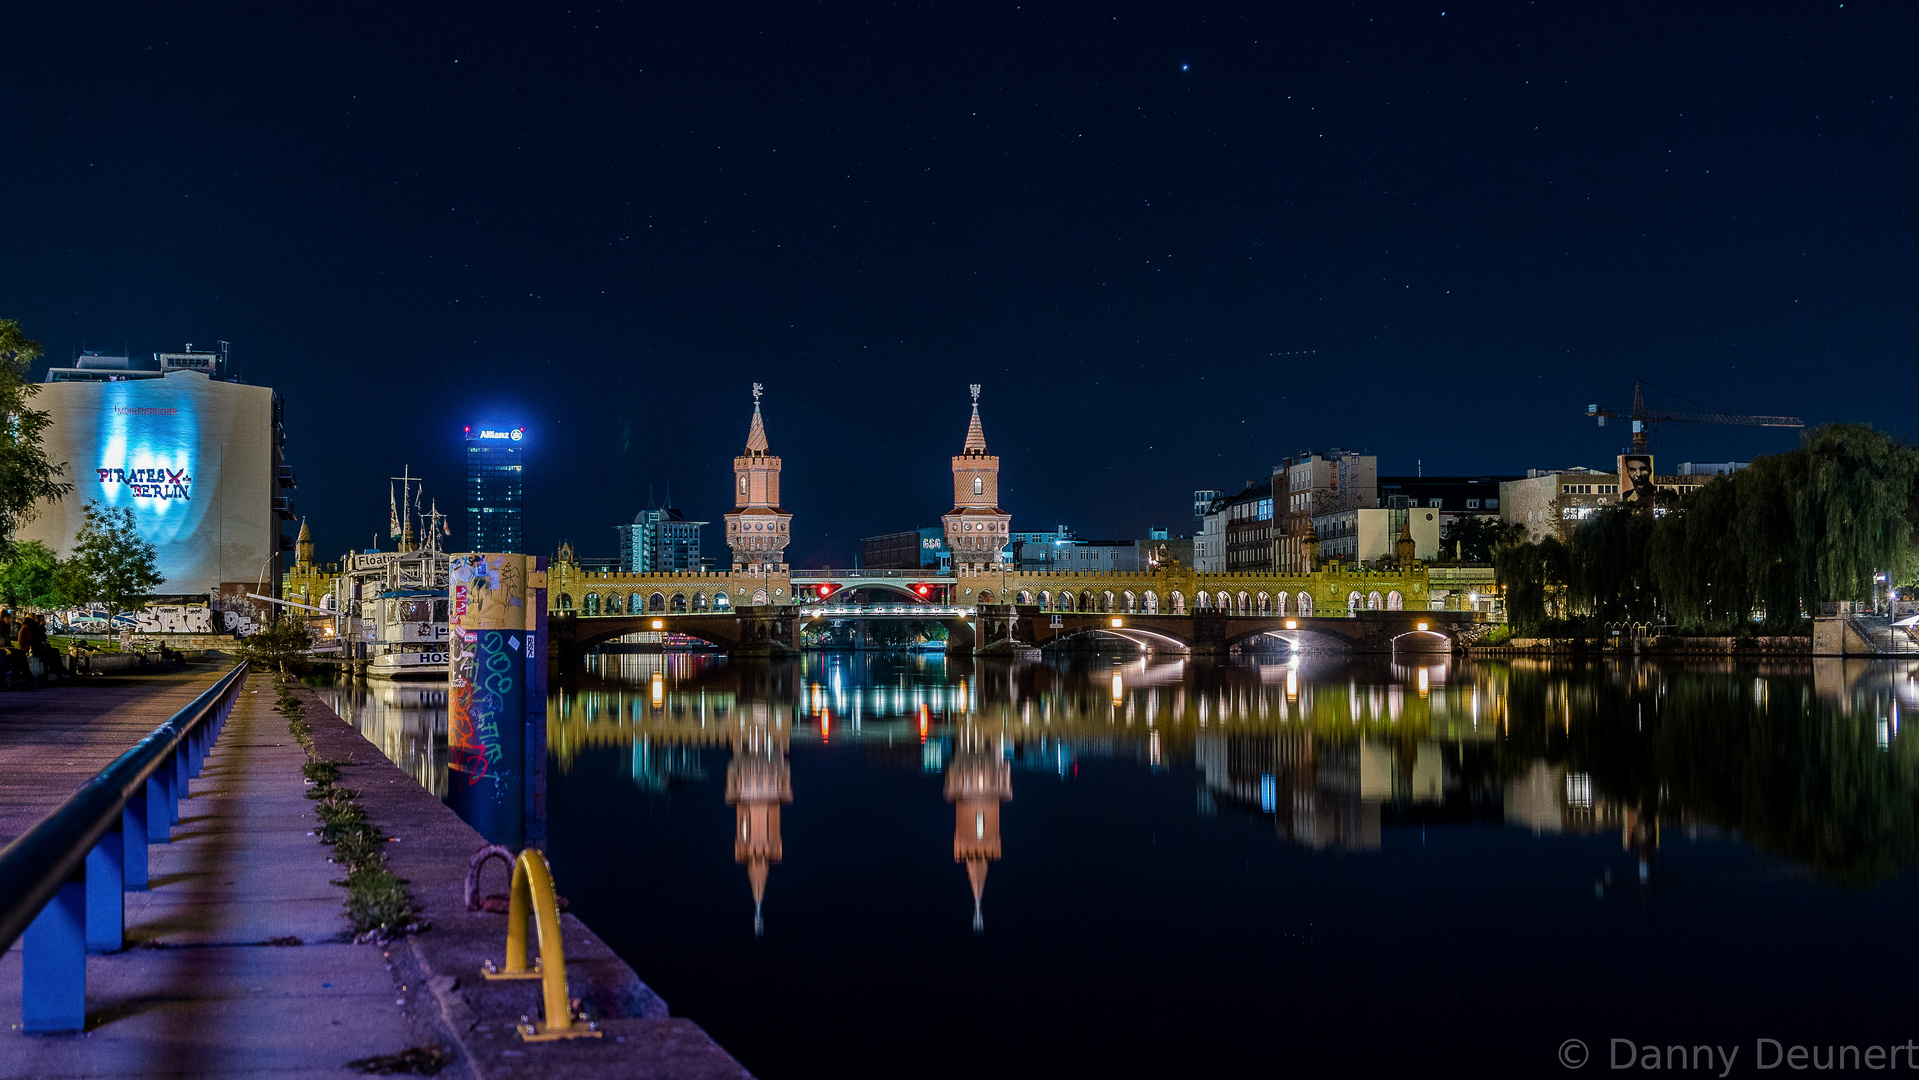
point(1472, 504)
point(979, 485)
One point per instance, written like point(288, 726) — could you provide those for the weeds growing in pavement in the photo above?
point(377, 900)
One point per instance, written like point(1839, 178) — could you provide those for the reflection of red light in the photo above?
point(826, 725)
point(922, 723)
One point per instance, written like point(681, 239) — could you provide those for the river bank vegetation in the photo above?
point(1756, 552)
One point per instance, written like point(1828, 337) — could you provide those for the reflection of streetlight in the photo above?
point(659, 690)
point(1423, 682)
point(1119, 688)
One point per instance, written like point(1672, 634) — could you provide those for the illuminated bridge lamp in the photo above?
point(1117, 624)
point(1422, 626)
point(1292, 624)
point(659, 624)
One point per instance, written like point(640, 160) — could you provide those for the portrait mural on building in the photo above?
point(1635, 480)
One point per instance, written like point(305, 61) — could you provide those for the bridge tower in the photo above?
point(977, 781)
point(757, 530)
point(977, 530)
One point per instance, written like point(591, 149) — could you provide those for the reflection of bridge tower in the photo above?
point(757, 781)
point(757, 530)
point(976, 530)
point(977, 781)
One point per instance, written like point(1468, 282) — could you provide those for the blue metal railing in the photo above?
point(63, 883)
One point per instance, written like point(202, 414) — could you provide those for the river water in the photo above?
point(887, 865)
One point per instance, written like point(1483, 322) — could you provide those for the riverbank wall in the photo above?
point(1756, 647)
point(440, 969)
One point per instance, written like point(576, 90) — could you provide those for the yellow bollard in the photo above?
point(531, 898)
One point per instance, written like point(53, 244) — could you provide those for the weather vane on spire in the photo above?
point(974, 387)
point(757, 388)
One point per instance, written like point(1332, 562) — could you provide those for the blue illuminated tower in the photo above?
point(494, 489)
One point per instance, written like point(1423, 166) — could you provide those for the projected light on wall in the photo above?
point(149, 459)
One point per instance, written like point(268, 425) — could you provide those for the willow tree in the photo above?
point(27, 478)
point(1611, 562)
point(1534, 577)
point(1767, 531)
point(1851, 514)
point(1703, 576)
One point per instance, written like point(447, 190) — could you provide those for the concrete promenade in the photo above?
point(201, 992)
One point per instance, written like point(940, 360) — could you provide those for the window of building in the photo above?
point(1472, 504)
point(1434, 503)
point(979, 485)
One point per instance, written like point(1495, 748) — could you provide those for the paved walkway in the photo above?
point(201, 994)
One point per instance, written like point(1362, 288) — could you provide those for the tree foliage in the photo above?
point(30, 577)
point(1768, 544)
point(27, 478)
point(284, 641)
point(110, 564)
point(1472, 539)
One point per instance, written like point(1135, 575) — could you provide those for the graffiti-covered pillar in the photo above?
point(487, 677)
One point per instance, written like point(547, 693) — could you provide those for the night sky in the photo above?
point(1176, 242)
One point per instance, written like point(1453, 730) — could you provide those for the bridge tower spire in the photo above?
point(977, 530)
point(757, 530)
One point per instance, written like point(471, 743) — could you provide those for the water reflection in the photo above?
point(406, 721)
point(1809, 764)
point(1689, 841)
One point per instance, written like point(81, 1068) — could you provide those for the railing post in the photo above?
point(159, 790)
point(133, 845)
point(106, 893)
point(178, 783)
point(53, 969)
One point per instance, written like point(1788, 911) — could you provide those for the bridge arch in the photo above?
point(1145, 639)
point(1429, 641)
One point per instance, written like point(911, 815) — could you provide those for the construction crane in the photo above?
point(1642, 417)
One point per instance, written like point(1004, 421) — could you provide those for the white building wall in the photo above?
point(193, 458)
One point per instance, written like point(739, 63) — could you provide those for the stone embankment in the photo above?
point(1756, 647)
point(430, 849)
